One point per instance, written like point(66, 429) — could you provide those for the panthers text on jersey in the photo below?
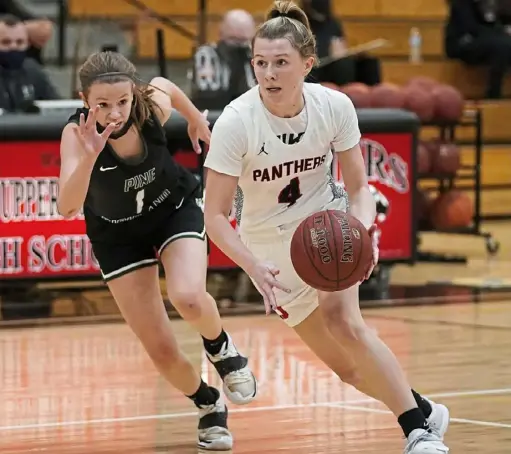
point(283, 164)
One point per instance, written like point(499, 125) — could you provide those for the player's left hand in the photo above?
point(374, 233)
point(199, 130)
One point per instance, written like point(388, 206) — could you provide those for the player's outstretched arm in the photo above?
point(168, 95)
point(80, 146)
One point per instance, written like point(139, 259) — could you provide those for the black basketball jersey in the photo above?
point(131, 196)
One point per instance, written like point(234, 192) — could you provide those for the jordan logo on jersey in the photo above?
point(262, 150)
point(287, 168)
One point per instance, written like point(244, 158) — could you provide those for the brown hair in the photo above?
point(286, 19)
point(112, 67)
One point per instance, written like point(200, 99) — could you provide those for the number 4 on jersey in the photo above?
point(291, 193)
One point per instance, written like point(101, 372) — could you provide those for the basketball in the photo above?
point(330, 85)
point(423, 159)
point(452, 209)
point(445, 158)
point(423, 203)
point(420, 102)
point(387, 95)
point(360, 94)
point(422, 82)
point(448, 103)
point(331, 250)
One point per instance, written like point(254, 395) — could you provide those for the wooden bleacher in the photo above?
point(387, 9)
point(363, 21)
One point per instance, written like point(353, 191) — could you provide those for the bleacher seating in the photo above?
point(387, 9)
point(363, 21)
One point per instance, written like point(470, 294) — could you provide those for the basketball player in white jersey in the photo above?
point(272, 149)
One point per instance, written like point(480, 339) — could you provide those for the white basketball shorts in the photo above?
point(274, 246)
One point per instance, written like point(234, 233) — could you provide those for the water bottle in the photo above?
point(415, 45)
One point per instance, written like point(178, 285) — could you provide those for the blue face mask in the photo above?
point(12, 59)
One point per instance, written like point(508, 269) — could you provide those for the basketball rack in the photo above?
point(470, 174)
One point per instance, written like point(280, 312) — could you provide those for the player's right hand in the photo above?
point(91, 140)
point(263, 275)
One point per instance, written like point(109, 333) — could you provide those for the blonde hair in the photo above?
point(286, 19)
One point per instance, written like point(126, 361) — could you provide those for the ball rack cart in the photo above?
point(472, 118)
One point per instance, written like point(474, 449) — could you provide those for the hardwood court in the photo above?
point(91, 388)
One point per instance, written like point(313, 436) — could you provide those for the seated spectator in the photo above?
point(39, 29)
point(22, 79)
point(476, 34)
point(223, 71)
point(331, 42)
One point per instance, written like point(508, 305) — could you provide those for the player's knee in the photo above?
point(189, 302)
point(349, 331)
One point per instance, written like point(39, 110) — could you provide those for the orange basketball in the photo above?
point(449, 103)
point(423, 82)
point(387, 95)
point(360, 94)
point(423, 159)
point(424, 203)
point(330, 85)
point(452, 209)
point(446, 158)
point(420, 102)
point(331, 250)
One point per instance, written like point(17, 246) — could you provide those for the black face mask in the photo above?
point(124, 129)
point(121, 132)
point(12, 59)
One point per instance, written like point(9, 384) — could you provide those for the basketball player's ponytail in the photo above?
point(286, 19)
point(288, 9)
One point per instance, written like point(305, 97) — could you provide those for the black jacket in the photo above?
point(20, 88)
point(466, 23)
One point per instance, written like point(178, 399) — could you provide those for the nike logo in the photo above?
point(180, 203)
point(104, 169)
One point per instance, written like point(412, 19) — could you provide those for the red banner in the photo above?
point(389, 167)
point(35, 241)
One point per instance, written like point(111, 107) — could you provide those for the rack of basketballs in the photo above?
point(441, 108)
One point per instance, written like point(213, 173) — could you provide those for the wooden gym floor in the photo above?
point(91, 388)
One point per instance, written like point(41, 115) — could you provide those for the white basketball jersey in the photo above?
point(284, 164)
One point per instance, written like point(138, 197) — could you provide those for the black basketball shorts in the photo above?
point(117, 258)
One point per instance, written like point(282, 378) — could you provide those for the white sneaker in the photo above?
point(240, 385)
point(439, 419)
point(213, 432)
point(421, 441)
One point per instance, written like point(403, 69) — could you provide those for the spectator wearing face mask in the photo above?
point(39, 29)
point(22, 80)
point(332, 42)
point(223, 71)
point(478, 32)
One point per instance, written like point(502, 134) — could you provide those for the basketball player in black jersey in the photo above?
point(140, 205)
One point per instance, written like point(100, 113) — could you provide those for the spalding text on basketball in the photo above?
point(347, 242)
point(288, 168)
point(384, 167)
point(319, 240)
